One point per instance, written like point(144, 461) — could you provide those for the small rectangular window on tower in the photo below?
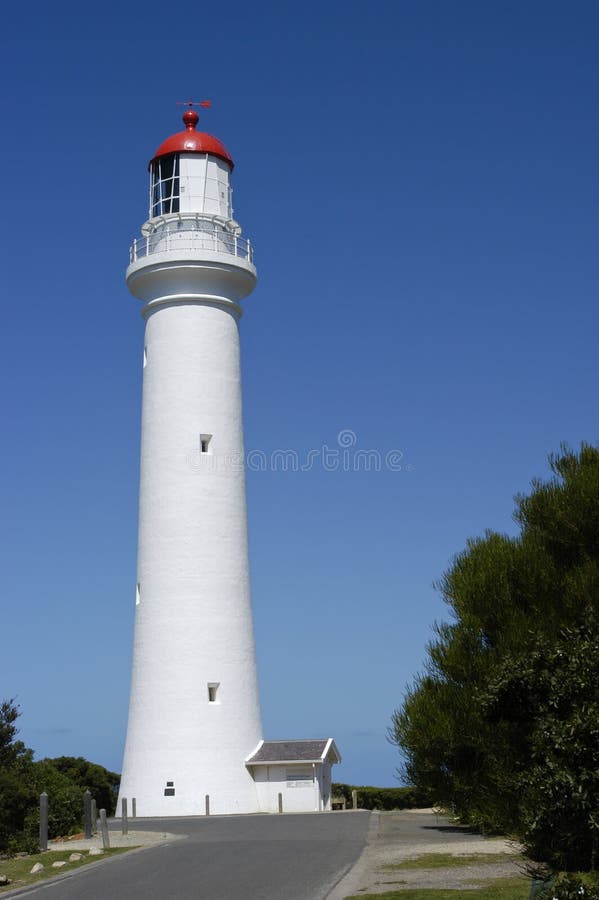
point(145, 357)
point(137, 594)
point(205, 443)
point(212, 691)
point(169, 790)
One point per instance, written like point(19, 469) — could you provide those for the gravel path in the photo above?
point(133, 839)
point(407, 834)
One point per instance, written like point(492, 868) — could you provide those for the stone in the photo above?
point(75, 856)
point(37, 868)
point(59, 864)
point(95, 851)
point(4, 879)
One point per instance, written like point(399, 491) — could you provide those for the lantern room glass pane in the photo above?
point(165, 185)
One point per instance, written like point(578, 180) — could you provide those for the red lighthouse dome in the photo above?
point(192, 141)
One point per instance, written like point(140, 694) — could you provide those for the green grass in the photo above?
point(450, 860)
point(505, 889)
point(18, 869)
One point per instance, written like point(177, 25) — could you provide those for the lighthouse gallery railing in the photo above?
point(191, 235)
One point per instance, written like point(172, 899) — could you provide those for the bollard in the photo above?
point(43, 821)
point(207, 804)
point(104, 829)
point(94, 816)
point(133, 808)
point(87, 814)
point(280, 803)
point(124, 822)
point(354, 799)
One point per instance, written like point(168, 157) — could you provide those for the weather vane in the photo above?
point(205, 104)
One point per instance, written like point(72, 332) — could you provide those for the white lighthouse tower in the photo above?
point(194, 715)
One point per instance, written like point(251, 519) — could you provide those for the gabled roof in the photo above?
point(310, 751)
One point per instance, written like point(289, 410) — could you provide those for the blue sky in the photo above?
point(419, 180)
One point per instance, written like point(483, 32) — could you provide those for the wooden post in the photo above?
point(104, 829)
point(94, 816)
point(133, 808)
point(87, 814)
point(207, 804)
point(43, 821)
point(280, 803)
point(354, 799)
point(124, 821)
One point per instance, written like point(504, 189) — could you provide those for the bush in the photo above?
point(383, 798)
point(578, 886)
point(64, 780)
point(16, 799)
point(100, 782)
point(65, 802)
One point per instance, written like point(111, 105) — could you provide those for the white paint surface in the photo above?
point(193, 626)
point(298, 795)
point(194, 716)
point(204, 185)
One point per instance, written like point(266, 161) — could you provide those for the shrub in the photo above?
point(65, 801)
point(578, 886)
point(100, 782)
point(382, 798)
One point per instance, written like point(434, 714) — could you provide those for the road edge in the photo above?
point(352, 877)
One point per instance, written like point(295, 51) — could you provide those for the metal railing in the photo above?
point(190, 236)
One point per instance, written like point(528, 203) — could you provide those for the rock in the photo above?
point(4, 879)
point(75, 856)
point(95, 851)
point(59, 864)
point(37, 868)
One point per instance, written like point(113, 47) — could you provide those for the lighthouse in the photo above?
point(194, 713)
point(194, 736)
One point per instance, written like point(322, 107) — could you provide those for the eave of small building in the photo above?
point(286, 762)
point(330, 749)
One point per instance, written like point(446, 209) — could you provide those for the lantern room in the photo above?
point(190, 173)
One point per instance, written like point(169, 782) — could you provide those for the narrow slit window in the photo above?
point(137, 594)
point(212, 692)
point(145, 357)
point(205, 443)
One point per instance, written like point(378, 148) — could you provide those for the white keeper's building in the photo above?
point(194, 729)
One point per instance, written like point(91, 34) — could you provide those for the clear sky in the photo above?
point(420, 183)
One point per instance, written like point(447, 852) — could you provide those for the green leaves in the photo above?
point(64, 779)
point(504, 725)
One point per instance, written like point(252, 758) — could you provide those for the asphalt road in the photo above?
point(290, 857)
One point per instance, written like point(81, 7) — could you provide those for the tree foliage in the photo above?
point(64, 779)
point(502, 725)
point(381, 797)
point(16, 792)
point(87, 776)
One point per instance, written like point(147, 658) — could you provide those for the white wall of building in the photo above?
point(301, 786)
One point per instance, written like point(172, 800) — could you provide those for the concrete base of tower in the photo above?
point(183, 795)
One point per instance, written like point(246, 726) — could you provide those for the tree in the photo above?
point(477, 727)
point(13, 753)
point(64, 780)
point(554, 694)
point(16, 792)
point(102, 784)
